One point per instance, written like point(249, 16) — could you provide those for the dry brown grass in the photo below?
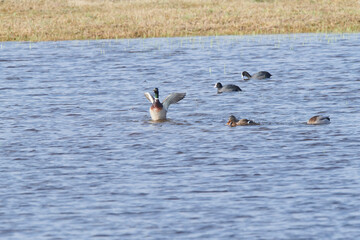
point(40, 20)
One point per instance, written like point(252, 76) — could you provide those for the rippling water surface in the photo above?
point(81, 159)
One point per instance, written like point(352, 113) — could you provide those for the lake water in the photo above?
point(81, 158)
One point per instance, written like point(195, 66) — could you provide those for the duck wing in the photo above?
point(172, 98)
point(149, 97)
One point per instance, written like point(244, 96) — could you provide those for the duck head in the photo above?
point(245, 74)
point(232, 120)
point(156, 92)
point(218, 85)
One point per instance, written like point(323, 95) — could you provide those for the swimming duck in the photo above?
point(158, 110)
point(233, 122)
point(317, 120)
point(226, 88)
point(259, 75)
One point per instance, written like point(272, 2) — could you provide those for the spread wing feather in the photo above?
point(173, 98)
point(149, 97)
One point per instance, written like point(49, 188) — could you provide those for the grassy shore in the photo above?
point(42, 20)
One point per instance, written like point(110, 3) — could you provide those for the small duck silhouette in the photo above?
point(317, 120)
point(226, 88)
point(259, 75)
point(233, 122)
